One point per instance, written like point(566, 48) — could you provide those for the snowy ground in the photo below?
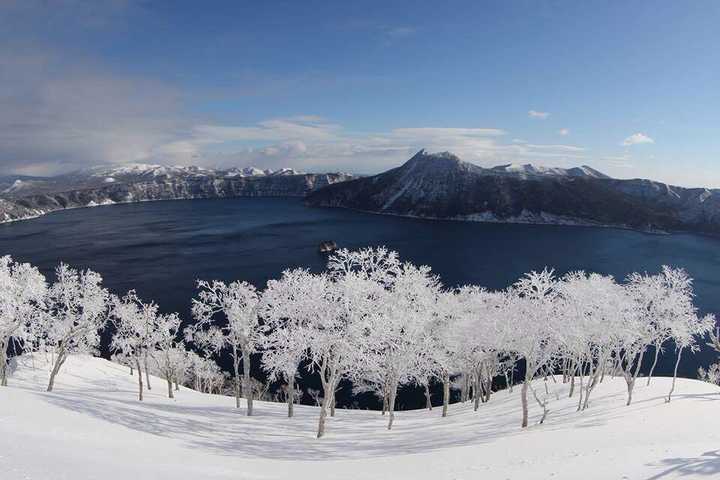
point(93, 427)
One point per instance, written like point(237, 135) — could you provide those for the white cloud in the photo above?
point(564, 131)
point(60, 114)
point(561, 148)
point(314, 144)
point(57, 115)
point(538, 115)
point(636, 139)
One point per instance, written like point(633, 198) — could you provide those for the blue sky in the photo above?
point(630, 88)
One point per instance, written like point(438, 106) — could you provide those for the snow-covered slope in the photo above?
point(92, 427)
point(530, 170)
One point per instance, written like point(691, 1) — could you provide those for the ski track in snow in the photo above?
point(92, 426)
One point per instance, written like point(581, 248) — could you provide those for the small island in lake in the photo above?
point(327, 246)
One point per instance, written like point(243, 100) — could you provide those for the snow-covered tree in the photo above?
point(397, 331)
point(349, 298)
point(531, 308)
point(232, 310)
point(663, 308)
point(77, 310)
point(205, 375)
point(167, 350)
point(135, 333)
point(441, 343)
point(482, 346)
point(287, 307)
point(22, 295)
point(590, 309)
point(675, 309)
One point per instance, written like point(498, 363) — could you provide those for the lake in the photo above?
point(161, 248)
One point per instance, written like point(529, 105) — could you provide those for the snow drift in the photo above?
point(92, 426)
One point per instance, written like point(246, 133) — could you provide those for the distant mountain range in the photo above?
point(24, 197)
point(441, 186)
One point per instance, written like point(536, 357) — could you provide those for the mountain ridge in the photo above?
point(441, 186)
point(23, 197)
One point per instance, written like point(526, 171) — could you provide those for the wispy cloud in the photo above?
point(538, 115)
point(564, 132)
point(637, 139)
point(317, 144)
point(400, 31)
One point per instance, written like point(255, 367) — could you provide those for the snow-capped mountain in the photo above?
point(26, 197)
point(529, 170)
point(442, 186)
point(134, 171)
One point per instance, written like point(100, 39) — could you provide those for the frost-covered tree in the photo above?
point(167, 350)
point(232, 310)
point(135, 331)
point(397, 331)
point(288, 305)
point(349, 298)
point(204, 374)
point(531, 307)
point(481, 350)
point(675, 309)
point(662, 308)
point(441, 344)
point(590, 308)
point(77, 307)
point(22, 296)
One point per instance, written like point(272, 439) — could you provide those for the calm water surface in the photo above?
point(161, 248)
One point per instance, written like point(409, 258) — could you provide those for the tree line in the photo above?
point(369, 319)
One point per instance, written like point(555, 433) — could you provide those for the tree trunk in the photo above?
point(630, 378)
point(327, 384)
point(236, 372)
point(524, 400)
point(630, 384)
point(543, 405)
point(512, 377)
point(384, 402)
point(592, 381)
point(464, 387)
point(652, 369)
point(140, 382)
point(323, 416)
point(291, 395)
point(391, 404)
point(59, 360)
point(446, 394)
point(147, 373)
point(247, 384)
point(478, 393)
point(3, 364)
point(177, 385)
point(170, 389)
point(580, 390)
point(332, 396)
point(677, 362)
point(428, 403)
point(488, 389)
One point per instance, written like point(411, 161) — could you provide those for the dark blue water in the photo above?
point(161, 248)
